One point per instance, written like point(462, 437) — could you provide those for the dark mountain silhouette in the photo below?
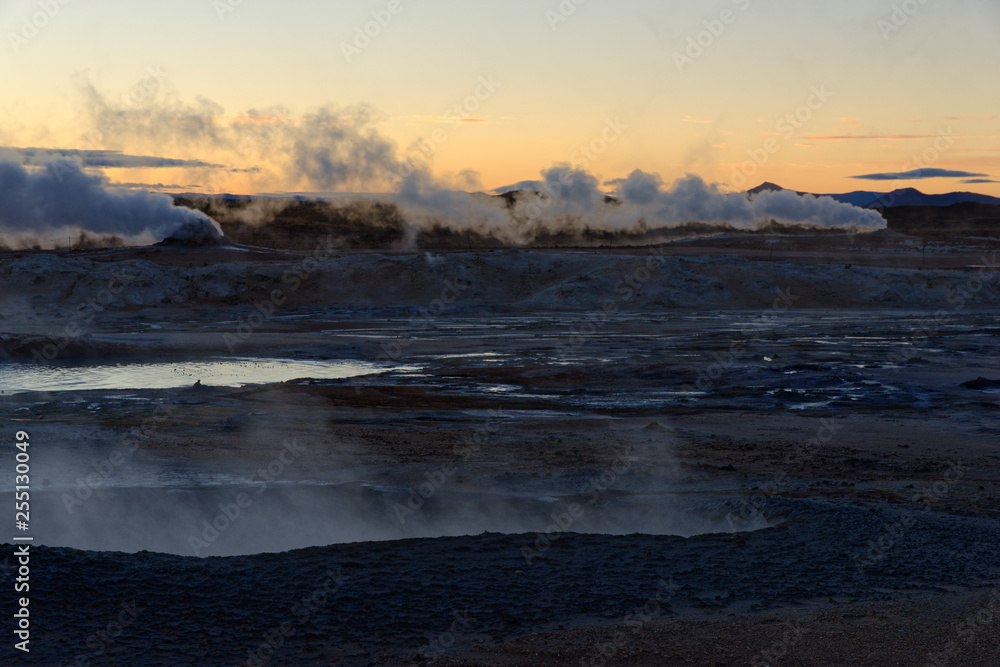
point(964, 217)
point(910, 211)
point(899, 197)
point(859, 197)
point(914, 197)
point(767, 186)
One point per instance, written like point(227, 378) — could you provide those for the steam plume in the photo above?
point(62, 198)
point(341, 149)
point(330, 148)
point(692, 200)
point(569, 201)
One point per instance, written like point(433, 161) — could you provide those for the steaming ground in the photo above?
point(61, 200)
point(816, 408)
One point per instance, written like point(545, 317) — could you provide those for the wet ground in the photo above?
point(429, 485)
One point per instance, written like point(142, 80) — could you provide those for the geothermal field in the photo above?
point(515, 333)
point(763, 448)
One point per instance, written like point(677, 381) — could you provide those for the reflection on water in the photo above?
point(16, 378)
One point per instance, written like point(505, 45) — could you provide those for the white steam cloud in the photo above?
point(690, 199)
point(341, 149)
point(337, 148)
point(568, 200)
point(331, 148)
point(61, 198)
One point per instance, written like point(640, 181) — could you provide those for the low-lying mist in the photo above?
point(236, 520)
point(568, 202)
point(182, 489)
point(516, 218)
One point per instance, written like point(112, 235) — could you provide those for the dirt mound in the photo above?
point(195, 233)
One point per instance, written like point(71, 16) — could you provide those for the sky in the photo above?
point(245, 95)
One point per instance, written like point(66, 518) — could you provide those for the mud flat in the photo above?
point(509, 457)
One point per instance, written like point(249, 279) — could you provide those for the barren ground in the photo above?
point(882, 529)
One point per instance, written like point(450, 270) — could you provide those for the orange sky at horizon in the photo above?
point(734, 91)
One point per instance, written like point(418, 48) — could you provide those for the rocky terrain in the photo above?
point(714, 452)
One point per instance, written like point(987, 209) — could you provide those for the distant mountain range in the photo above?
point(901, 197)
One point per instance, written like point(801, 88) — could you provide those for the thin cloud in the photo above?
point(869, 137)
point(979, 180)
point(265, 119)
point(107, 159)
point(919, 174)
point(897, 137)
point(152, 186)
point(446, 120)
point(969, 117)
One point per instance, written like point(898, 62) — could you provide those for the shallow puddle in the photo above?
point(17, 378)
